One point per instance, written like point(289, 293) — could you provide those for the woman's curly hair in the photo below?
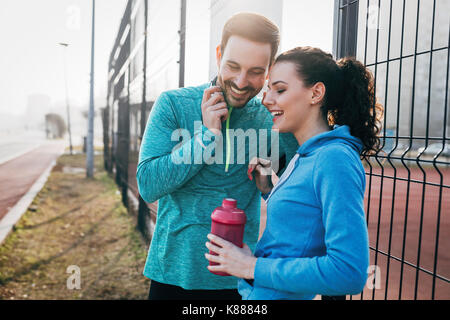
point(350, 92)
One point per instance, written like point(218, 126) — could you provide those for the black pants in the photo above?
point(162, 291)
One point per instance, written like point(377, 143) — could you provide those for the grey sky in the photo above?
point(31, 60)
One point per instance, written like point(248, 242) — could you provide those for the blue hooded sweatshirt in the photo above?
point(316, 239)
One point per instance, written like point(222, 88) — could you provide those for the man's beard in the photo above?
point(232, 101)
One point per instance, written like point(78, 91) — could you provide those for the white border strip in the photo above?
point(13, 215)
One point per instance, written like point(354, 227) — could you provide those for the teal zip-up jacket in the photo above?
point(182, 170)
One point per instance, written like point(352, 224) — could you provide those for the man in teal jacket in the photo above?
point(190, 160)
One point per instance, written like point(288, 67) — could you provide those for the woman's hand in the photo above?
point(262, 169)
point(239, 262)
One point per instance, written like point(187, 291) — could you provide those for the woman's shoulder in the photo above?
point(338, 155)
point(339, 148)
point(339, 165)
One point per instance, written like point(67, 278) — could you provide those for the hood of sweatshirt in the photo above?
point(339, 134)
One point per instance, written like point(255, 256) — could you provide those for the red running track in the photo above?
point(19, 174)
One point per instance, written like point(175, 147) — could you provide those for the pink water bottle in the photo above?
point(228, 222)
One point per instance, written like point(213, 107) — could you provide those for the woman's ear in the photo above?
point(318, 93)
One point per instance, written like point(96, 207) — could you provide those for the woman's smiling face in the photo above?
point(287, 98)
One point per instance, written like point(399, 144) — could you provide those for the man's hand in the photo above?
point(214, 109)
point(239, 262)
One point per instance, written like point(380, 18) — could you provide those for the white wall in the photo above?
point(307, 23)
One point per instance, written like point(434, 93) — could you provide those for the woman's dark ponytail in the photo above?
point(350, 93)
point(357, 106)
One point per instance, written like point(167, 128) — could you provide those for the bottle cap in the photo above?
point(229, 213)
point(229, 203)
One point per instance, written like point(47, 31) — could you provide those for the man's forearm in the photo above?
point(159, 176)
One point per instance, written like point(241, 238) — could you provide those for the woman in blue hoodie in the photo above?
point(316, 239)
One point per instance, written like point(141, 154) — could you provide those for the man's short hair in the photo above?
point(254, 27)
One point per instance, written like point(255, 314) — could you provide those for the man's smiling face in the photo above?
point(243, 68)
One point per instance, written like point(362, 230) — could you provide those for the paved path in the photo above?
point(19, 174)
